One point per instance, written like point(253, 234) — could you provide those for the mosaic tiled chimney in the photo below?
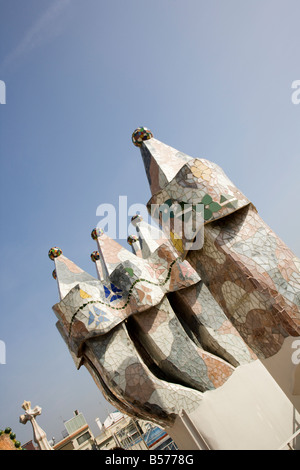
point(190, 332)
point(250, 273)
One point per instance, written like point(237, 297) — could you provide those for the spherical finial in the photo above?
point(136, 219)
point(54, 275)
point(54, 252)
point(140, 134)
point(95, 256)
point(132, 239)
point(97, 232)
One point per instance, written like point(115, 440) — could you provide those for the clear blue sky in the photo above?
point(211, 78)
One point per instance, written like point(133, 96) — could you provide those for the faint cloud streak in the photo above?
point(41, 31)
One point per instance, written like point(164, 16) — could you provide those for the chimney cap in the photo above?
point(141, 134)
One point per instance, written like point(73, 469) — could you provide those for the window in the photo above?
point(84, 437)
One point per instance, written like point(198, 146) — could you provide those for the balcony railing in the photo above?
point(290, 443)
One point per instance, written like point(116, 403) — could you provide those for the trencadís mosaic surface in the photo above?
point(165, 322)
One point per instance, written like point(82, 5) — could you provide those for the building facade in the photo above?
point(78, 435)
point(121, 431)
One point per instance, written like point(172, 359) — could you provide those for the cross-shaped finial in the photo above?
point(29, 413)
point(26, 405)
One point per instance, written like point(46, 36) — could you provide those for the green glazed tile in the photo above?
point(207, 214)
point(207, 199)
point(214, 207)
point(223, 198)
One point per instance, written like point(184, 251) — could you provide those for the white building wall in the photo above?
point(250, 411)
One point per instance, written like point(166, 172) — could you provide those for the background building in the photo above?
point(119, 430)
point(78, 435)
